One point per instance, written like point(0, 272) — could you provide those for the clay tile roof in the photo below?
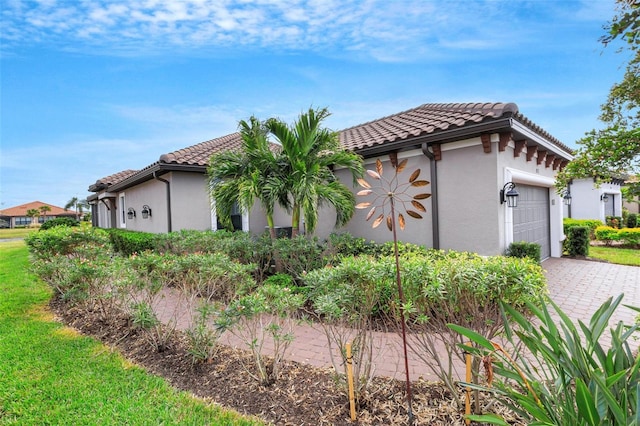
point(425, 119)
point(107, 181)
point(199, 154)
point(22, 209)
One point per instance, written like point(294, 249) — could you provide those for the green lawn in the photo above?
point(617, 255)
point(16, 232)
point(51, 375)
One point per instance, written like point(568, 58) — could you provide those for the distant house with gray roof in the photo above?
point(471, 153)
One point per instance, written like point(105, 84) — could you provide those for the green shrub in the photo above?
point(345, 244)
point(614, 221)
point(299, 255)
point(63, 240)
point(578, 244)
point(592, 224)
point(572, 374)
point(127, 242)
point(211, 276)
point(607, 234)
point(632, 220)
point(59, 221)
point(524, 249)
point(264, 315)
point(630, 236)
point(439, 288)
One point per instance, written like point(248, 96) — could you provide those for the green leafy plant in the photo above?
point(348, 296)
point(464, 289)
point(129, 242)
point(632, 220)
point(614, 221)
point(578, 244)
point(630, 236)
point(203, 334)
point(265, 314)
point(524, 249)
point(607, 234)
point(570, 374)
point(59, 221)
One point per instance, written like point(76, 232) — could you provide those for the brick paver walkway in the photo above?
point(579, 287)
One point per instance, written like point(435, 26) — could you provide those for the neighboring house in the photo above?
point(17, 216)
point(168, 195)
point(594, 201)
point(468, 152)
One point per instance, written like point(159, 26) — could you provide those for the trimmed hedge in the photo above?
point(59, 221)
point(63, 240)
point(632, 220)
point(578, 241)
point(630, 236)
point(524, 249)
point(592, 224)
point(127, 242)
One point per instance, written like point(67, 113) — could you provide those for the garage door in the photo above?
point(531, 218)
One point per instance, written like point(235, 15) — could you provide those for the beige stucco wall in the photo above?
point(190, 203)
point(151, 193)
point(468, 198)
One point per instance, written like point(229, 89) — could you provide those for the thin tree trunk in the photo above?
point(295, 221)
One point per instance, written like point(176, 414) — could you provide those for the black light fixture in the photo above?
point(509, 195)
point(131, 213)
point(604, 197)
point(567, 198)
point(146, 212)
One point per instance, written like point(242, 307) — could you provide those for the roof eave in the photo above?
point(157, 169)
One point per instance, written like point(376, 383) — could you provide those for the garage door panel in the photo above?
point(531, 218)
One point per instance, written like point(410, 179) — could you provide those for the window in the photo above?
point(23, 221)
point(123, 212)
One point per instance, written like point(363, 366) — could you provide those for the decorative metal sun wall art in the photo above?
point(390, 194)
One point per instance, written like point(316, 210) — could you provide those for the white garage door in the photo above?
point(531, 218)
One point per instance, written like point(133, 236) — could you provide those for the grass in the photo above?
point(621, 256)
point(51, 375)
point(16, 232)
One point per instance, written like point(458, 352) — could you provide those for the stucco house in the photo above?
point(472, 154)
point(595, 201)
point(17, 216)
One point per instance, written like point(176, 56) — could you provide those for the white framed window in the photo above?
point(122, 210)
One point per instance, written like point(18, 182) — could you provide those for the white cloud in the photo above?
point(398, 30)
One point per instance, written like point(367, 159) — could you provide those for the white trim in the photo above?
point(534, 137)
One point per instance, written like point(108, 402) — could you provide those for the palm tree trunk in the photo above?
point(295, 221)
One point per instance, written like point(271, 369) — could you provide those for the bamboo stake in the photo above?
point(467, 402)
point(352, 398)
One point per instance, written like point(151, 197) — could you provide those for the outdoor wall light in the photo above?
point(146, 212)
point(131, 213)
point(509, 195)
point(604, 197)
point(567, 198)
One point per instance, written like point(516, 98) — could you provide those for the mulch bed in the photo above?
point(303, 395)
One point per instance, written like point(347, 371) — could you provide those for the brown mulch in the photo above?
point(303, 395)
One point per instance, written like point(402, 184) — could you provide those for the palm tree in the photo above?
point(239, 178)
point(311, 152)
point(44, 209)
point(78, 205)
point(33, 213)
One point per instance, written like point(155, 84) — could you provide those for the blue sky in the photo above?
point(93, 87)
